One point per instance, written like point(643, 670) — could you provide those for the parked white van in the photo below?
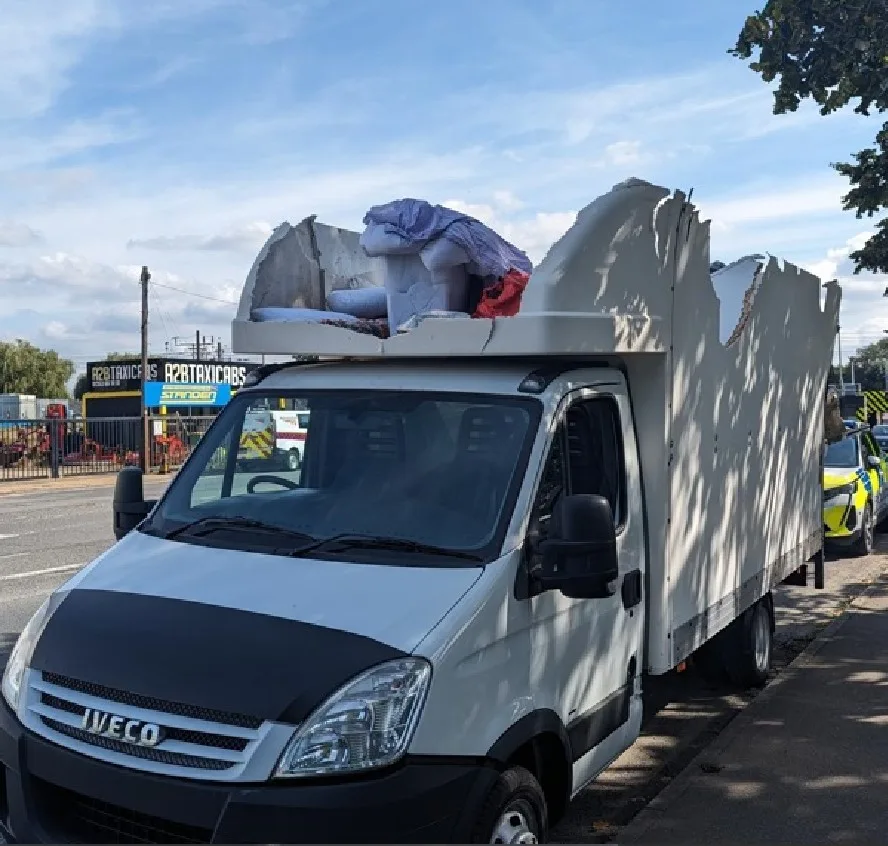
point(291, 428)
point(440, 632)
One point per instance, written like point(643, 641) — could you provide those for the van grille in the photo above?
point(149, 703)
point(147, 754)
point(191, 742)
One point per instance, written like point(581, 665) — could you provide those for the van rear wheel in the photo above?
point(741, 654)
point(515, 811)
point(751, 646)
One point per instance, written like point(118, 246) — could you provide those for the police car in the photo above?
point(855, 490)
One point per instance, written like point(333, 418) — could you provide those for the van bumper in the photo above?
point(49, 794)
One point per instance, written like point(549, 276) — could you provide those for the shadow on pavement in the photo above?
point(809, 766)
point(684, 713)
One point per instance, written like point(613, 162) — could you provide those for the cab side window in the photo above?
point(586, 457)
point(595, 450)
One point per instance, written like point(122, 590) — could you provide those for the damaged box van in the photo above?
point(439, 629)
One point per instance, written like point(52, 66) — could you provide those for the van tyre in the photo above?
point(293, 460)
point(514, 812)
point(864, 544)
point(750, 646)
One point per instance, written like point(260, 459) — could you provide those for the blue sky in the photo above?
point(176, 134)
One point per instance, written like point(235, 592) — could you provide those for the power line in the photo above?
point(159, 310)
point(167, 313)
point(193, 293)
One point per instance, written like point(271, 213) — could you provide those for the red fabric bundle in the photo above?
point(504, 298)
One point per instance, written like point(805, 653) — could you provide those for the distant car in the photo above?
point(880, 433)
point(855, 491)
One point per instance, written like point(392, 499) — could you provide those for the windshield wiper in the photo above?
point(355, 541)
point(205, 525)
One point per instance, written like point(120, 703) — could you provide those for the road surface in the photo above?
point(46, 535)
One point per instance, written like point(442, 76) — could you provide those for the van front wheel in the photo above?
point(515, 811)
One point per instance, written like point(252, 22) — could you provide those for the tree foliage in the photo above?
point(833, 52)
point(82, 383)
point(869, 367)
point(26, 369)
point(80, 386)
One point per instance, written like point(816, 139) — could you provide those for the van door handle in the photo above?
point(631, 590)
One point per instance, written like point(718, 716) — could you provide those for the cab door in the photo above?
point(591, 649)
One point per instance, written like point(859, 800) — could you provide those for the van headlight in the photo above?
point(365, 725)
point(20, 657)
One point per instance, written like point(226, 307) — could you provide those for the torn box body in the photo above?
point(727, 374)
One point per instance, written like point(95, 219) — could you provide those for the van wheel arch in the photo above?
point(538, 742)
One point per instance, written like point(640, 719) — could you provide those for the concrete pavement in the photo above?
point(684, 714)
point(17, 487)
point(806, 762)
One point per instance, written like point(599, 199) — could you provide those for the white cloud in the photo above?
point(248, 237)
point(56, 330)
point(85, 308)
point(533, 234)
point(864, 315)
point(14, 234)
point(25, 150)
point(42, 40)
point(622, 153)
point(837, 261)
point(790, 200)
point(670, 99)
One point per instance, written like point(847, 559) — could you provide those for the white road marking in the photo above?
point(46, 572)
point(14, 555)
point(7, 537)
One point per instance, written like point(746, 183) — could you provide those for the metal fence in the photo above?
point(48, 449)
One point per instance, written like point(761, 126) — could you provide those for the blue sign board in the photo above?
point(173, 394)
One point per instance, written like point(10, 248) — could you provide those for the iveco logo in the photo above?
point(120, 728)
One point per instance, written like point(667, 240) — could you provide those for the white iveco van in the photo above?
point(436, 629)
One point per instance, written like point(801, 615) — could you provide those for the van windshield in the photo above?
point(374, 475)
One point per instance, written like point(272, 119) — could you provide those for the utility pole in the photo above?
point(146, 423)
point(219, 353)
point(197, 345)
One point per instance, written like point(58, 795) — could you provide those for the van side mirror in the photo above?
point(580, 553)
point(129, 505)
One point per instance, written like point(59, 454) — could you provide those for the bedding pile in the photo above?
point(424, 261)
